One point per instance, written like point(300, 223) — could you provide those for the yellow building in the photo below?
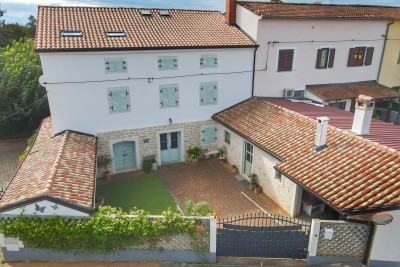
point(390, 71)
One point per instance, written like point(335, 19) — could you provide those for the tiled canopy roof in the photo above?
point(296, 10)
point(60, 167)
point(353, 173)
point(181, 29)
point(351, 90)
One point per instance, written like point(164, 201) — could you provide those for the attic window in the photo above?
point(71, 33)
point(115, 34)
point(145, 12)
point(164, 13)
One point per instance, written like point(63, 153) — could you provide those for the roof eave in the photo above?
point(324, 18)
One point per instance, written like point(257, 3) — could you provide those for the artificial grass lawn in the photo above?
point(146, 192)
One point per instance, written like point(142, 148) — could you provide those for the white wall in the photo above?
point(84, 107)
point(50, 210)
point(272, 83)
point(247, 21)
point(386, 241)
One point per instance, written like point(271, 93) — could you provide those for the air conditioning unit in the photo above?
point(289, 93)
point(299, 94)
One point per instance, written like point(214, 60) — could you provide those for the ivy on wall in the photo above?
point(101, 232)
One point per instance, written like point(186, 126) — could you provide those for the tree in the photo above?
point(31, 27)
point(23, 101)
point(9, 32)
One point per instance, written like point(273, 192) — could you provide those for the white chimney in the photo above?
point(363, 114)
point(322, 131)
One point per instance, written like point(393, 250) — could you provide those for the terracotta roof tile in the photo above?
point(302, 10)
point(353, 173)
point(183, 28)
point(339, 91)
point(56, 167)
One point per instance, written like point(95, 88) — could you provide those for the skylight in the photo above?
point(115, 34)
point(71, 33)
point(145, 12)
point(164, 13)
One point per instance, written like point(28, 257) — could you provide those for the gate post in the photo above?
point(313, 241)
point(213, 234)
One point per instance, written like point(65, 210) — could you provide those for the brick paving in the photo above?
point(214, 182)
point(9, 153)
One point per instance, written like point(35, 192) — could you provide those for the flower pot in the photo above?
point(107, 176)
point(257, 190)
point(222, 159)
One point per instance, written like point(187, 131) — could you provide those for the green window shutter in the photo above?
point(167, 63)
point(209, 135)
point(119, 100)
point(208, 61)
point(169, 96)
point(115, 65)
point(208, 93)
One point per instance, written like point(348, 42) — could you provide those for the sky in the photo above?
point(19, 10)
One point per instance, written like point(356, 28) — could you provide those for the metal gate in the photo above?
point(263, 235)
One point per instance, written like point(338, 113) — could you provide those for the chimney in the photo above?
point(230, 14)
point(363, 115)
point(322, 131)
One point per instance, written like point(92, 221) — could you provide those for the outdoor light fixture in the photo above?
point(170, 121)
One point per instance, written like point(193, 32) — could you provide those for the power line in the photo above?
point(22, 109)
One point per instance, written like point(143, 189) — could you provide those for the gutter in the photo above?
point(320, 18)
point(384, 49)
point(254, 72)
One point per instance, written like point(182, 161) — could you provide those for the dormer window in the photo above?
point(115, 34)
point(71, 33)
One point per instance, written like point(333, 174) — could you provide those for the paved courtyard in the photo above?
point(9, 154)
point(215, 183)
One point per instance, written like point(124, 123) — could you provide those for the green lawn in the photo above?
point(147, 192)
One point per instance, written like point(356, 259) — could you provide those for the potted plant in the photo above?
point(254, 183)
point(194, 153)
point(222, 153)
point(235, 168)
point(102, 162)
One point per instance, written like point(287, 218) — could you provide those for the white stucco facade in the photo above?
point(80, 105)
point(306, 37)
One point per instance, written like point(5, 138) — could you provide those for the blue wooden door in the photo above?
point(170, 147)
point(248, 158)
point(124, 155)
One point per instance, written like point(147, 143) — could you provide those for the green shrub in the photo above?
point(197, 209)
point(28, 147)
point(147, 165)
point(194, 153)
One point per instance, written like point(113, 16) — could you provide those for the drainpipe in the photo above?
point(384, 49)
point(254, 71)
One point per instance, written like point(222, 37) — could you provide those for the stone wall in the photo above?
point(191, 136)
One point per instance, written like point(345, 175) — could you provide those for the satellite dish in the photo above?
point(382, 218)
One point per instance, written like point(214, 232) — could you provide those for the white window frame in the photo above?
point(293, 63)
point(206, 67)
point(329, 54)
point(112, 89)
point(167, 57)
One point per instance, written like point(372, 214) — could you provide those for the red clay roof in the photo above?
point(61, 167)
point(352, 173)
point(320, 11)
point(352, 90)
point(182, 29)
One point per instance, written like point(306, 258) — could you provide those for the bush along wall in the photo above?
point(104, 232)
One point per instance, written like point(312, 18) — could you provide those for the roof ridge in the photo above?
point(344, 132)
point(138, 8)
point(56, 163)
point(315, 4)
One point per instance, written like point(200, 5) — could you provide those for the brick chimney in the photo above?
point(363, 114)
point(230, 14)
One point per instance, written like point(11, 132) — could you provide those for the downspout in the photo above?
point(384, 49)
point(254, 71)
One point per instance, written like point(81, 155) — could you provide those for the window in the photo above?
point(278, 176)
point(71, 33)
point(208, 61)
point(113, 65)
point(119, 100)
point(209, 135)
point(325, 58)
point(285, 60)
point(167, 63)
point(169, 96)
point(208, 93)
point(115, 34)
point(360, 56)
point(338, 104)
point(227, 137)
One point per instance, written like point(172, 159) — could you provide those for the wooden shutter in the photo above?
point(169, 97)
point(115, 65)
point(208, 61)
point(119, 101)
point(351, 57)
point(331, 57)
point(208, 94)
point(319, 57)
point(285, 62)
point(368, 56)
point(167, 63)
point(209, 135)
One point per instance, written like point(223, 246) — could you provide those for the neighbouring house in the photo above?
point(314, 44)
point(320, 160)
point(144, 81)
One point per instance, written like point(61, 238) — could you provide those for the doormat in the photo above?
point(242, 180)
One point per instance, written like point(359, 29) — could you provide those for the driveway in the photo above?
point(9, 154)
point(214, 182)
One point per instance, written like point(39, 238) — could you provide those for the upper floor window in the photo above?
point(115, 65)
point(119, 99)
point(169, 96)
point(209, 135)
point(360, 56)
point(208, 61)
point(325, 58)
point(208, 93)
point(285, 60)
point(167, 63)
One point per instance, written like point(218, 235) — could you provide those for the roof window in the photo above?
point(164, 13)
point(71, 33)
point(115, 34)
point(145, 12)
